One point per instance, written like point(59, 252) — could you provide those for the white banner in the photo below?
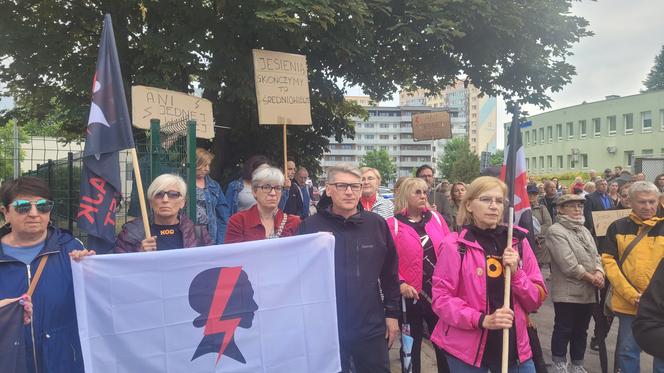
point(260, 306)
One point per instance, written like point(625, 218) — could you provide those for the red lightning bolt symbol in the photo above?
point(225, 285)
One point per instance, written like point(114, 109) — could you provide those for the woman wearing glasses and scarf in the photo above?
point(264, 219)
point(469, 283)
point(418, 233)
point(29, 242)
point(169, 228)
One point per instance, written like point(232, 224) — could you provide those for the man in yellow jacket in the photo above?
point(630, 271)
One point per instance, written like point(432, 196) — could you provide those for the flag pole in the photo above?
point(141, 196)
point(285, 152)
point(506, 296)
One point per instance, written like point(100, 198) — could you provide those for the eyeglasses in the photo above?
point(171, 194)
point(488, 200)
point(342, 187)
point(420, 192)
point(22, 206)
point(267, 188)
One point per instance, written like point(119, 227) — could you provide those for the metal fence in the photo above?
point(167, 148)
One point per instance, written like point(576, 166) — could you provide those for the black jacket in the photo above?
point(594, 203)
point(648, 327)
point(363, 254)
point(294, 203)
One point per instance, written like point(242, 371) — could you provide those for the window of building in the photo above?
point(528, 164)
point(646, 121)
point(647, 152)
point(534, 137)
point(570, 162)
point(369, 137)
point(368, 125)
point(527, 137)
point(559, 160)
point(394, 137)
point(549, 162)
point(628, 122)
point(384, 137)
point(541, 135)
point(583, 130)
point(661, 119)
point(534, 163)
point(394, 148)
point(570, 129)
point(629, 156)
point(541, 162)
point(383, 147)
point(369, 147)
point(384, 125)
point(597, 127)
point(395, 125)
point(584, 160)
point(611, 121)
point(559, 131)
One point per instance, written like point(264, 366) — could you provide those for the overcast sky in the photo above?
point(615, 61)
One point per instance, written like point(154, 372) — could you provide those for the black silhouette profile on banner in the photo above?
point(224, 298)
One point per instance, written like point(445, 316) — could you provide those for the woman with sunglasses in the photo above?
point(264, 219)
point(468, 286)
point(418, 233)
point(29, 242)
point(169, 227)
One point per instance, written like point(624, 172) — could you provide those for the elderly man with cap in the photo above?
point(576, 273)
point(541, 223)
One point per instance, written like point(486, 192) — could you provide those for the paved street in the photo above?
point(544, 322)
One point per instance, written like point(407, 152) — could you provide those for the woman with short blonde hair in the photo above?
point(479, 186)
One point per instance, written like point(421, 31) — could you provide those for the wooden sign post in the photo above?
point(432, 126)
point(282, 91)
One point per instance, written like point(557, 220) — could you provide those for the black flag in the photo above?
point(108, 131)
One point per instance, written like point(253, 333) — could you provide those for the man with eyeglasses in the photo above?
point(364, 254)
point(29, 242)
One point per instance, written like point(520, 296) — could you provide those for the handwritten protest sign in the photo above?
point(282, 88)
point(432, 126)
point(154, 103)
point(602, 219)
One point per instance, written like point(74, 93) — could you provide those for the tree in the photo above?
point(380, 160)
point(655, 78)
point(466, 167)
point(453, 148)
point(7, 146)
point(497, 158)
point(506, 48)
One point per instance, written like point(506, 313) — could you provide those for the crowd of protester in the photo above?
point(435, 253)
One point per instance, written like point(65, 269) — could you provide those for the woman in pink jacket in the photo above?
point(418, 234)
point(468, 286)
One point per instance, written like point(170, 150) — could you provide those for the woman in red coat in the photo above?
point(264, 219)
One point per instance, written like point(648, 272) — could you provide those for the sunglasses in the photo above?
point(22, 206)
point(171, 194)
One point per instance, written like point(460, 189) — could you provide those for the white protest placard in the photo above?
point(432, 126)
point(282, 88)
point(155, 103)
point(602, 219)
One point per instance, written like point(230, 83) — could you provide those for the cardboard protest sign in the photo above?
point(602, 219)
point(282, 88)
point(154, 103)
point(432, 126)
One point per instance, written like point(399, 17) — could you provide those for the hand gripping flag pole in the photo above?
point(108, 132)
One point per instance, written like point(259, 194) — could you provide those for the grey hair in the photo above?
point(642, 187)
point(161, 182)
point(344, 168)
point(267, 175)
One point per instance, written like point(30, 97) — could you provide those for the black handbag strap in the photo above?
point(628, 250)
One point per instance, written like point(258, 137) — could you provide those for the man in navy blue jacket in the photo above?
point(364, 253)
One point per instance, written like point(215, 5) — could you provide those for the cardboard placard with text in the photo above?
point(155, 103)
point(602, 219)
point(282, 88)
point(432, 126)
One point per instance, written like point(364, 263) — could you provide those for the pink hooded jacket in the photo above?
point(459, 298)
point(409, 247)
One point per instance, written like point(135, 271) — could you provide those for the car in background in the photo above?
point(386, 193)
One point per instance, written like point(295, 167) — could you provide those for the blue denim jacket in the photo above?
point(217, 210)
